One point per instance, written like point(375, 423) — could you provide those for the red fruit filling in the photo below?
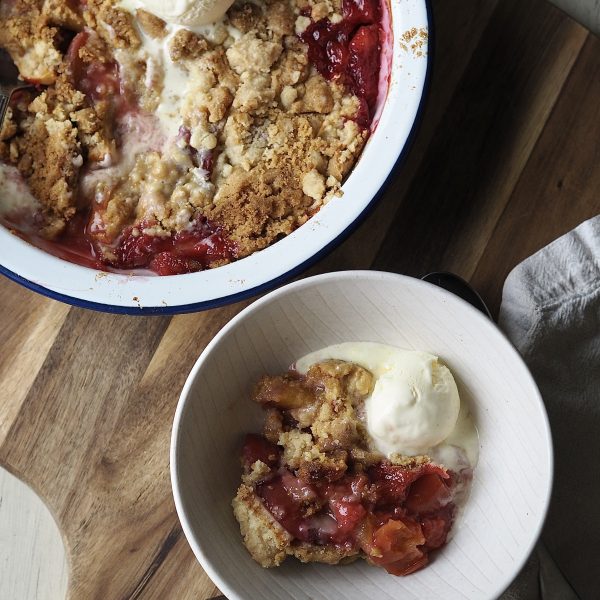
point(98, 79)
point(396, 547)
point(395, 515)
point(256, 447)
point(97, 75)
point(350, 51)
point(328, 514)
point(428, 494)
point(187, 251)
point(201, 158)
point(393, 484)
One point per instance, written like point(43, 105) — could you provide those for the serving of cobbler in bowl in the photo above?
point(364, 453)
point(361, 435)
point(225, 141)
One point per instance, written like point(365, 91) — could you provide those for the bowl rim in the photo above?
point(198, 548)
point(283, 277)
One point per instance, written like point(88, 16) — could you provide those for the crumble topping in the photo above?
point(151, 25)
point(152, 128)
point(266, 539)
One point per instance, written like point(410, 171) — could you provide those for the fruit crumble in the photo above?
point(315, 485)
point(142, 144)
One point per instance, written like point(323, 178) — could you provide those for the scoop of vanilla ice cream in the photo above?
point(414, 405)
point(188, 12)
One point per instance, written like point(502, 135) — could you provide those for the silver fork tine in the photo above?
point(3, 106)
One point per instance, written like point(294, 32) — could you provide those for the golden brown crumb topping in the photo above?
point(151, 24)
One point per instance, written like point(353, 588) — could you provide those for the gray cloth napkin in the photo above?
point(551, 312)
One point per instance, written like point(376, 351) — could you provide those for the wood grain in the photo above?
point(558, 188)
point(487, 133)
point(28, 331)
point(33, 562)
point(506, 159)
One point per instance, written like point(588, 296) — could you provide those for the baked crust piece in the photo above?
point(26, 32)
point(330, 555)
point(266, 540)
point(47, 142)
point(151, 24)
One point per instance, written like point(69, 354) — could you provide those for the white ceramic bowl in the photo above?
point(86, 287)
point(511, 488)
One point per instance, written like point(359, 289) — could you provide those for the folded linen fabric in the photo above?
point(551, 312)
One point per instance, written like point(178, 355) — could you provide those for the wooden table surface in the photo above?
point(506, 160)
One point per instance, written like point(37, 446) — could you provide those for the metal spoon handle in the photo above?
point(459, 287)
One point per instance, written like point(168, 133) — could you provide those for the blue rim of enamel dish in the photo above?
point(273, 283)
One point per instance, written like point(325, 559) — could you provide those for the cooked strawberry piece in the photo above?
point(301, 492)
point(396, 546)
point(427, 494)
point(349, 488)
point(203, 242)
point(403, 568)
point(364, 62)
point(391, 482)
point(206, 161)
point(398, 540)
point(137, 248)
point(337, 51)
point(280, 504)
point(217, 248)
point(165, 263)
point(345, 498)
point(98, 79)
point(184, 134)
point(350, 51)
point(256, 447)
point(185, 252)
point(363, 117)
point(328, 46)
point(436, 527)
point(287, 499)
point(361, 12)
point(348, 516)
point(191, 245)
